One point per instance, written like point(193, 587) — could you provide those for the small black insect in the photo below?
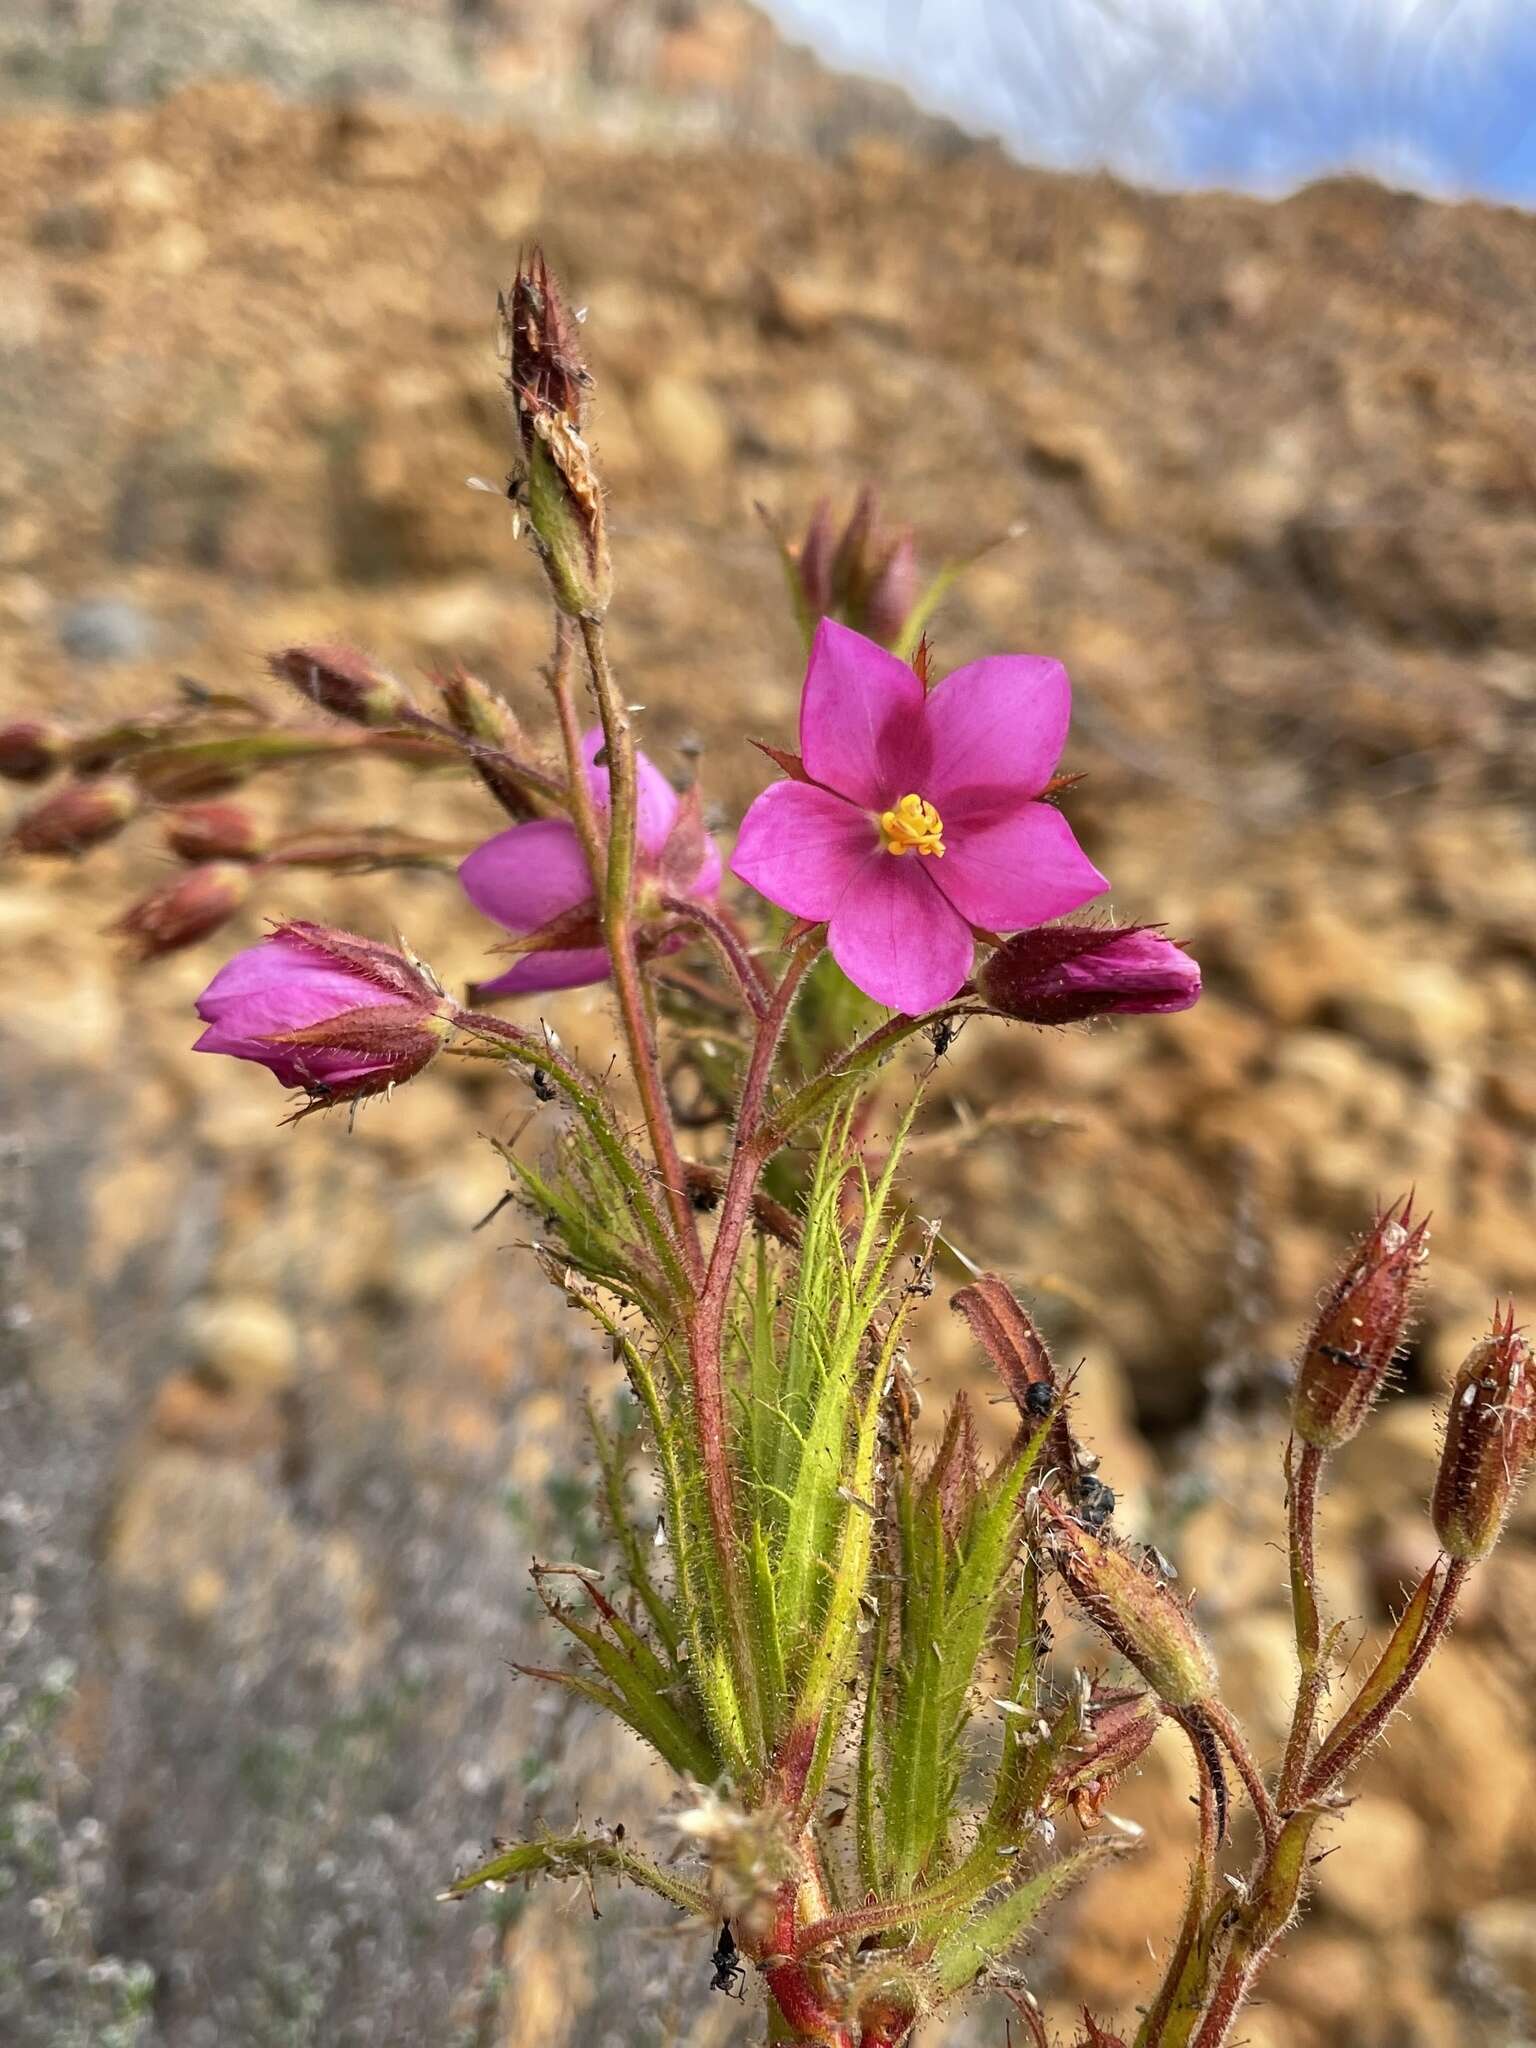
point(1095, 1502)
point(944, 1034)
point(543, 1087)
point(704, 1196)
point(729, 1975)
point(1339, 1356)
point(1038, 1396)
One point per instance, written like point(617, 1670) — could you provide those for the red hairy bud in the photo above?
point(1362, 1322)
point(1490, 1442)
point(185, 910)
point(198, 832)
point(342, 681)
point(1065, 973)
point(30, 750)
point(78, 816)
point(814, 562)
point(1147, 1624)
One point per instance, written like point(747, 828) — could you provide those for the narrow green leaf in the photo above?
point(999, 1927)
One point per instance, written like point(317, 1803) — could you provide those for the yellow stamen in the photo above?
point(913, 827)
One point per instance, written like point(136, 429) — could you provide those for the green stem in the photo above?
point(1304, 1474)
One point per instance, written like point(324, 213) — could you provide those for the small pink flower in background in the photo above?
point(533, 879)
point(1064, 973)
point(919, 821)
point(325, 1011)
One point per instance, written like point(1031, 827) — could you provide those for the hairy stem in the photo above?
point(820, 1092)
point(735, 958)
point(1235, 1743)
point(616, 889)
point(1303, 1474)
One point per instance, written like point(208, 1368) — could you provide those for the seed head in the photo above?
point(548, 382)
point(185, 910)
point(199, 832)
point(1490, 1442)
point(1119, 1724)
point(1356, 1336)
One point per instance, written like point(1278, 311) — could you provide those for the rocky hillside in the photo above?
point(278, 1430)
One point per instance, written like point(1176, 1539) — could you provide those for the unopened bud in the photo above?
point(1066, 973)
point(1148, 1625)
point(480, 715)
point(342, 681)
point(1119, 1724)
point(893, 591)
point(1490, 1442)
point(548, 381)
point(954, 1479)
point(31, 749)
point(337, 1015)
point(78, 816)
point(185, 910)
point(199, 832)
point(1362, 1322)
point(813, 562)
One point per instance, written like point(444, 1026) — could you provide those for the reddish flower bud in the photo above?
point(31, 749)
point(893, 591)
point(548, 382)
point(1490, 1442)
point(1358, 1330)
point(1118, 1727)
point(1064, 973)
point(79, 815)
point(199, 832)
point(326, 1011)
point(480, 715)
point(954, 1479)
point(814, 562)
point(1147, 1624)
point(342, 681)
point(185, 910)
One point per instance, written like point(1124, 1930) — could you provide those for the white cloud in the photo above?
point(1145, 85)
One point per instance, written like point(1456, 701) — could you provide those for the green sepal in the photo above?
point(999, 1927)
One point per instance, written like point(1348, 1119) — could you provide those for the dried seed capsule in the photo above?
point(1490, 1442)
point(1355, 1338)
point(1119, 1724)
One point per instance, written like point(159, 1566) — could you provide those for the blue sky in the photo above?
point(1262, 94)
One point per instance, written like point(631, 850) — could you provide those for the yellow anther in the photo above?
point(913, 827)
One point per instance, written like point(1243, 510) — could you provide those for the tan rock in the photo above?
point(244, 1341)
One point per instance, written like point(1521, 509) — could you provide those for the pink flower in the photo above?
point(325, 1011)
point(1067, 972)
point(533, 879)
point(919, 821)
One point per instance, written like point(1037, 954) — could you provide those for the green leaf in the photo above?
point(990, 1934)
point(564, 1855)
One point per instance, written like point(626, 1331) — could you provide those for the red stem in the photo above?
point(1302, 1504)
point(739, 964)
point(1233, 1741)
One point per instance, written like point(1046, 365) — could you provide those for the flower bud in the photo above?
point(31, 749)
point(342, 681)
point(869, 580)
point(548, 382)
point(80, 815)
point(954, 1478)
point(1065, 973)
point(185, 910)
point(199, 832)
point(1490, 1442)
point(1118, 1727)
point(1358, 1330)
point(337, 1015)
point(893, 591)
point(1147, 1624)
point(480, 715)
point(813, 562)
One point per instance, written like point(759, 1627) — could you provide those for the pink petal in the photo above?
point(1020, 870)
point(896, 938)
point(528, 875)
point(800, 846)
point(861, 729)
point(706, 883)
point(996, 729)
point(655, 798)
point(537, 973)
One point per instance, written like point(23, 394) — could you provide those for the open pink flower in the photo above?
point(919, 821)
point(533, 878)
point(326, 1011)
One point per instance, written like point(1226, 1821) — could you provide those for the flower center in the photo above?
point(914, 826)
